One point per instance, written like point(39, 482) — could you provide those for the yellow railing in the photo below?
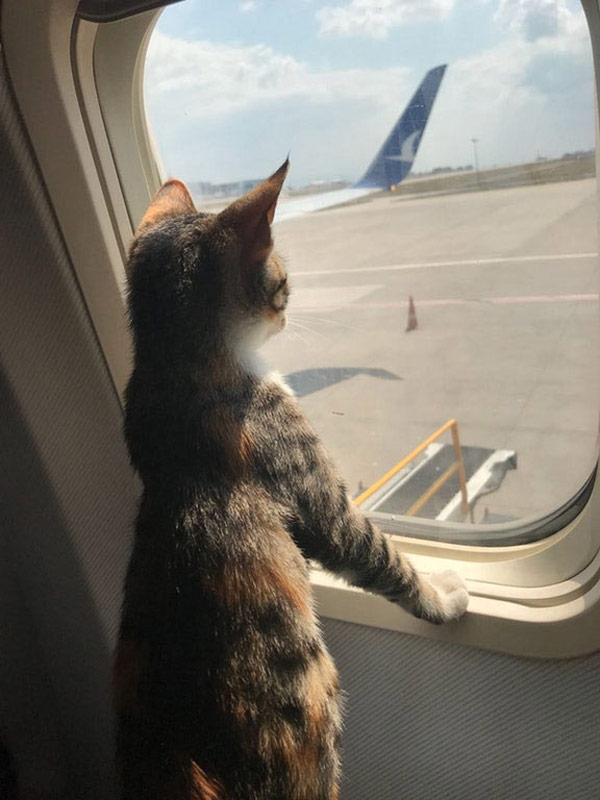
point(456, 466)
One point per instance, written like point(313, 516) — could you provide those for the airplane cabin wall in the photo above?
point(429, 720)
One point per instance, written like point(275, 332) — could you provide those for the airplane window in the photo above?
point(439, 226)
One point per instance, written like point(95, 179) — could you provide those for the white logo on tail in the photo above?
point(408, 150)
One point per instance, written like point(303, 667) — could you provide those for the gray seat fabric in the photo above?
point(67, 498)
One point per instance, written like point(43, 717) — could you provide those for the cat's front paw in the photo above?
point(447, 597)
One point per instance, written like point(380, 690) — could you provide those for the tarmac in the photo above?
point(505, 287)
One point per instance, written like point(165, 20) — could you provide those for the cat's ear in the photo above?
point(251, 216)
point(172, 200)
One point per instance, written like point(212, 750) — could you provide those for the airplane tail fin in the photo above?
point(394, 160)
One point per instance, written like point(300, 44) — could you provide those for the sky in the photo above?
point(232, 86)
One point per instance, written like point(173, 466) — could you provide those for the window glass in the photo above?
point(439, 227)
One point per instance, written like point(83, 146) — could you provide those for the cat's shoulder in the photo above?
point(277, 379)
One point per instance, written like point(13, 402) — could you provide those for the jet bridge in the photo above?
point(439, 481)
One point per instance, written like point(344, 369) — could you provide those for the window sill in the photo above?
point(561, 620)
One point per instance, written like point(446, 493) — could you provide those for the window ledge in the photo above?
point(557, 621)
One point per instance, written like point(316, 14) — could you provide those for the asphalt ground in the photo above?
point(505, 286)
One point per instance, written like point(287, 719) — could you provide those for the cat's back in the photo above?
point(212, 553)
point(219, 603)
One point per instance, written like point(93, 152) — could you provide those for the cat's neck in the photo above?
point(205, 364)
point(251, 363)
point(211, 376)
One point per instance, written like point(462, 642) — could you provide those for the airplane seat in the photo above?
point(67, 499)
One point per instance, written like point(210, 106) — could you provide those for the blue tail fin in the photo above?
point(394, 160)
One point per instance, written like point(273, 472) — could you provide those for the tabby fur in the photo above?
point(223, 685)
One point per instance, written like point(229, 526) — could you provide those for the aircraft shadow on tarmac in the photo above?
point(308, 381)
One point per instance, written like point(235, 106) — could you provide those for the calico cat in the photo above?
point(224, 688)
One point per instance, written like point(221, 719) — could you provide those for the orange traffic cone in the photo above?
point(412, 316)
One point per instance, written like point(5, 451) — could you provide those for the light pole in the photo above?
point(475, 156)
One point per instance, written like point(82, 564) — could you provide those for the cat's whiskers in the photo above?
point(294, 322)
point(326, 321)
point(295, 334)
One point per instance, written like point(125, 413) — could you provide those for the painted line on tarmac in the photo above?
point(482, 301)
point(464, 301)
point(474, 262)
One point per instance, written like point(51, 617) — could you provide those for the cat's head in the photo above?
point(199, 281)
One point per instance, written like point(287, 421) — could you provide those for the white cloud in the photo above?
point(524, 97)
point(248, 5)
point(209, 80)
point(375, 18)
point(221, 112)
point(224, 112)
point(533, 19)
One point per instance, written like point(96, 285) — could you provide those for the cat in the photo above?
point(223, 685)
